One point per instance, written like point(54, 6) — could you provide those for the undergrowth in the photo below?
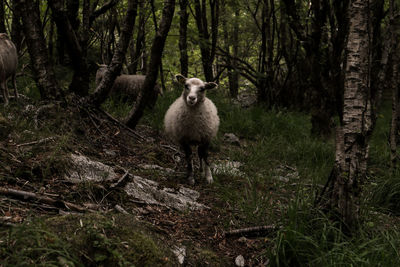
point(282, 167)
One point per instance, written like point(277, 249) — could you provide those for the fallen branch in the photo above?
point(43, 199)
point(252, 231)
point(44, 140)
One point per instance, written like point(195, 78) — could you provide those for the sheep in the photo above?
point(8, 65)
point(192, 120)
point(128, 86)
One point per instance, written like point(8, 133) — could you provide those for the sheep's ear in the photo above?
point(210, 85)
point(180, 78)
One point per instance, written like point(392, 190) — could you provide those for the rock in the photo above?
point(111, 153)
point(239, 261)
point(155, 167)
point(180, 253)
point(247, 98)
point(231, 139)
point(242, 240)
point(147, 191)
point(285, 173)
point(84, 169)
point(282, 179)
point(227, 167)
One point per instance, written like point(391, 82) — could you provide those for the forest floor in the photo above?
point(266, 180)
point(36, 143)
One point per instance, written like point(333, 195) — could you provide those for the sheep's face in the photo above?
point(195, 89)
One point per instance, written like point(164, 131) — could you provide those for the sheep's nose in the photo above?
point(192, 98)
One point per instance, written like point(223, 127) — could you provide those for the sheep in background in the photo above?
point(192, 120)
point(8, 65)
point(128, 86)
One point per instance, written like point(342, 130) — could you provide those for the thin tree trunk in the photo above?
point(137, 50)
point(114, 69)
point(156, 54)
point(352, 139)
point(51, 42)
point(16, 27)
point(394, 29)
point(2, 17)
point(233, 75)
point(207, 46)
point(183, 23)
point(395, 121)
point(42, 69)
point(161, 63)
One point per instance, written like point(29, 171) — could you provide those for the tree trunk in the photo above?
point(2, 17)
point(320, 99)
point(231, 41)
point(77, 53)
point(352, 139)
point(16, 27)
point(136, 51)
point(394, 30)
point(42, 69)
point(233, 75)
point(72, 13)
point(114, 69)
point(207, 46)
point(183, 23)
point(51, 42)
point(395, 121)
point(156, 54)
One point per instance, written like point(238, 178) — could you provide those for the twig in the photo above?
point(173, 149)
point(122, 125)
point(29, 195)
point(252, 231)
point(120, 209)
point(38, 141)
point(121, 181)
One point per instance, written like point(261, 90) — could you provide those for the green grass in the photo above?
point(83, 240)
point(308, 238)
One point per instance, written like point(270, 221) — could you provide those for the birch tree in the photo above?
point(352, 138)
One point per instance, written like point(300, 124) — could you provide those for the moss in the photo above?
point(84, 240)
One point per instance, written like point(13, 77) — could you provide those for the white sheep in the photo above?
point(193, 120)
point(128, 86)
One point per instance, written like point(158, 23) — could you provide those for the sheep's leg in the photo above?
point(203, 155)
point(4, 90)
point(15, 86)
point(188, 155)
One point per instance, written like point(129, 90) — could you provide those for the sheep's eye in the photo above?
point(186, 87)
point(202, 89)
